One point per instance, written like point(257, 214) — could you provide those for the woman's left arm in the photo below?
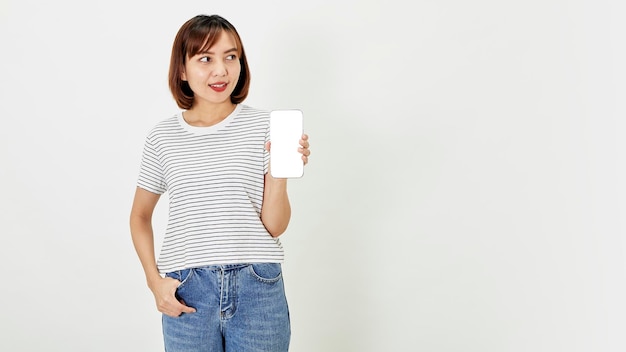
point(276, 210)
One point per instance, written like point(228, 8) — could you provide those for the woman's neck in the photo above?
point(204, 115)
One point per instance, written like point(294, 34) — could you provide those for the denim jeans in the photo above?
point(239, 308)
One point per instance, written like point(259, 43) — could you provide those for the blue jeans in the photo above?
point(239, 308)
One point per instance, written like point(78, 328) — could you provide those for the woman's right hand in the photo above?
point(164, 291)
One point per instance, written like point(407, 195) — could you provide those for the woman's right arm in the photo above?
point(164, 289)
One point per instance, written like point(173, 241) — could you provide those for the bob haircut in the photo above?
point(194, 36)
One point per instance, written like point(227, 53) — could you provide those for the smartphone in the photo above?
point(286, 128)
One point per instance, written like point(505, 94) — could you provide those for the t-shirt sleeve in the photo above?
point(151, 172)
point(266, 154)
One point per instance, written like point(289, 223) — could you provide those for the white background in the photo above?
point(465, 193)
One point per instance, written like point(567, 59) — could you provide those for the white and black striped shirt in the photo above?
point(214, 177)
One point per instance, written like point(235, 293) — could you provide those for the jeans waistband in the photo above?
point(222, 267)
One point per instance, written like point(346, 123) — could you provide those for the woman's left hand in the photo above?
point(304, 148)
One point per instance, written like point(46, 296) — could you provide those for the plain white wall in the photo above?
point(465, 193)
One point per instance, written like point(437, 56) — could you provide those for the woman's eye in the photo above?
point(205, 59)
point(231, 57)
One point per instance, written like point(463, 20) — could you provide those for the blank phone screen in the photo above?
point(285, 132)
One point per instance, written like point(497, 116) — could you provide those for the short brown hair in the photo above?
point(196, 35)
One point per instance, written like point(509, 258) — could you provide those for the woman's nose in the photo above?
point(219, 69)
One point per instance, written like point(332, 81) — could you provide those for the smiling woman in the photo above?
point(212, 76)
point(220, 252)
point(194, 41)
point(467, 191)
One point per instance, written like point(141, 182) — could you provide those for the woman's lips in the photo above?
point(218, 87)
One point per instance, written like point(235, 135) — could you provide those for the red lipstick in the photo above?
point(219, 86)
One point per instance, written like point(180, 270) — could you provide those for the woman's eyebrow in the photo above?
point(212, 53)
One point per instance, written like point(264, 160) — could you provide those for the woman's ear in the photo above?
point(183, 76)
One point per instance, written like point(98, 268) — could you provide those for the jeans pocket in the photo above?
point(180, 275)
point(266, 272)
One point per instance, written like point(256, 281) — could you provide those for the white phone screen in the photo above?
point(285, 132)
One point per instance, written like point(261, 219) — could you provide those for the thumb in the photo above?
point(186, 308)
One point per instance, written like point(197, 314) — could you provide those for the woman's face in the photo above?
point(213, 75)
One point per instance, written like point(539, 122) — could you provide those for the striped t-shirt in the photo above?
point(214, 177)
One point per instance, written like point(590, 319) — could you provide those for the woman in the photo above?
point(218, 279)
